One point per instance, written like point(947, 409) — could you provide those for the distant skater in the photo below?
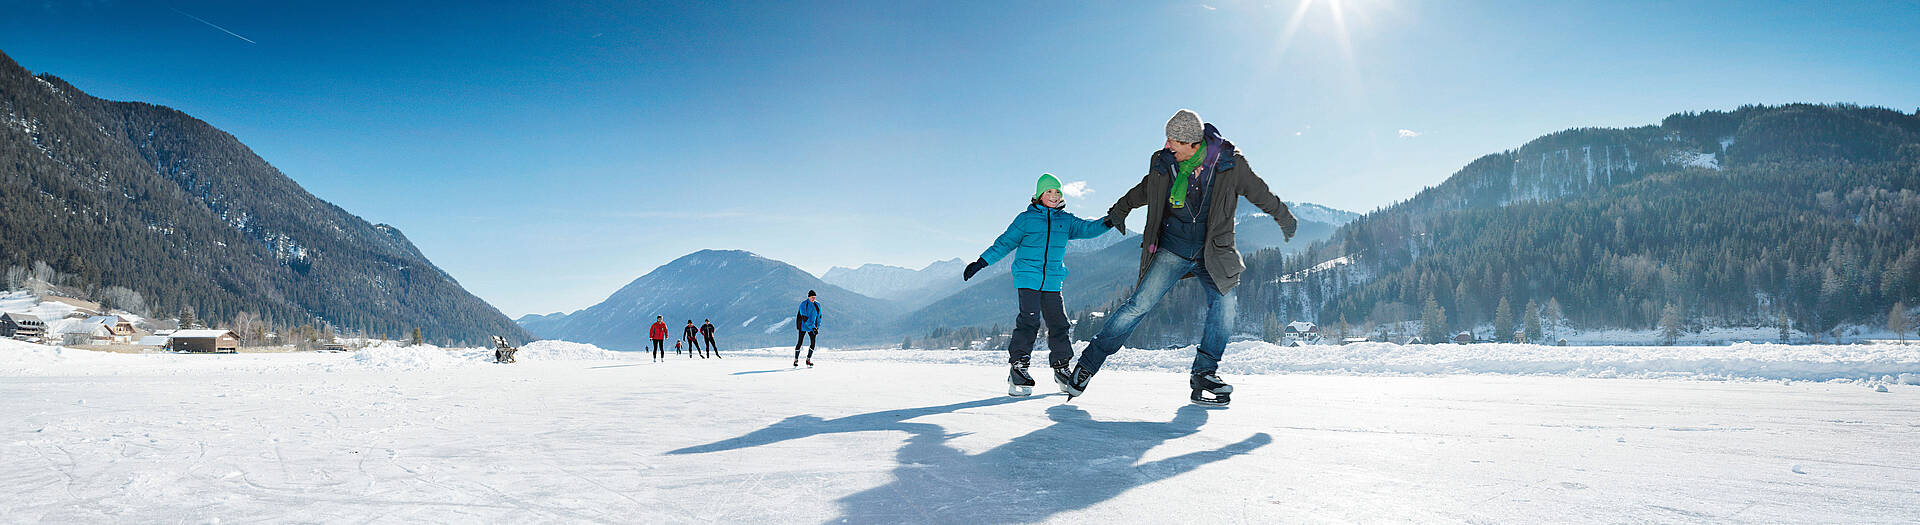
point(706, 330)
point(692, 334)
point(659, 336)
point(808, 322)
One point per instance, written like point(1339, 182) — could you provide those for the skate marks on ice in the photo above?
point(768, 371)
point(1071, 464)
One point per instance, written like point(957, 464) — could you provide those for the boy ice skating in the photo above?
point(1038, 236)
point(808, 322)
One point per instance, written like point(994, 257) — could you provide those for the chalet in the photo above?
point(1300, 328)
point(76, 334)
point(22, 326)
point(204, 341)
point(1463, 338)
point(119, 330)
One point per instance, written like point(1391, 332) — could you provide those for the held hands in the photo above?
point(1287, 228)
point(1108, 222)
point(973, 269)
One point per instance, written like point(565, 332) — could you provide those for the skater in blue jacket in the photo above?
point(1038, 237)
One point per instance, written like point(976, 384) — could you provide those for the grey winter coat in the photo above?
point(1232, 178)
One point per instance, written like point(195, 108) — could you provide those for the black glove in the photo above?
point(1122, 226)
point(973, 269)
point(1287, 227)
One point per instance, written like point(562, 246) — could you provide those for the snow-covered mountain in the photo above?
point(909, 286)
point(751, 300)
point(158, 202)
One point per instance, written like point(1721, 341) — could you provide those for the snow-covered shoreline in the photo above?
point(1867, 364)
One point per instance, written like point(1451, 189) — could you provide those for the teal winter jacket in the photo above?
point(1040, 235)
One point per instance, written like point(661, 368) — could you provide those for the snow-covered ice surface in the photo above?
point(577, 434)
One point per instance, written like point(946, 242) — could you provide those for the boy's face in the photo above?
point(1052, 198)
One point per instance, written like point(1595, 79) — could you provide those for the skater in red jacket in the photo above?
point(659, 336)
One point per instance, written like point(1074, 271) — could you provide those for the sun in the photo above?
point(1337, 13)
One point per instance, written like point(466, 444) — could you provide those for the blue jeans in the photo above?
point(1165, 271)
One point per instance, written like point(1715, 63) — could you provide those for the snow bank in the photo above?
point(402, 357)
point(1874, 363)
point(397, 356)
point(567, 351)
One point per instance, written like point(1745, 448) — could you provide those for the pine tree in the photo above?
point(1503, 321)
point(1433, 322)
point(187, 322)
point(1531, 324)
point(1270, 331)
point(416, 336)
point(1897, 321)
point(1554, 317)
point(906, 343)
point(1671, 323)
point(1785, 331)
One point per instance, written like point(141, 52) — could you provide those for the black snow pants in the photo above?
point(1036, 306)
point(659, 348)
point(714, 349)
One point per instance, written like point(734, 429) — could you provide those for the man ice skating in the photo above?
point(1191, 189)
point(692, 334)
point(808, 322)
point(659, 336)
point(1037, 239)
point(706, 331)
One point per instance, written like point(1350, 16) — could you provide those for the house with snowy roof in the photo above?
point(204, 341)
point(119, 330)
point(22, 326)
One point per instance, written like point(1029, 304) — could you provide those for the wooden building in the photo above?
point(22, 326)
point(204, 341)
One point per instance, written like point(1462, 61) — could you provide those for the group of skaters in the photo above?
point(807, 320)
point(1192, 185)
point(690, 336)
point(1191, 189)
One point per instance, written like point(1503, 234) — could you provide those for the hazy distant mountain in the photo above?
point(900, 284)
point(134, 195)
point(1733, 217)
point(751, 300)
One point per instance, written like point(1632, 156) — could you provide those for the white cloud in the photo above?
point(1210, 8)
point(1407, 133)
point(1075, 189)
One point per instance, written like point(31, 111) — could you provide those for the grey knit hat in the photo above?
point(1184, 126)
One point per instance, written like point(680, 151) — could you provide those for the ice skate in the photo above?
point(1019, 383)
point(1209, 390)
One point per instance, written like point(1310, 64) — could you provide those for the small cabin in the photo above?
point(22, 326)
point(204, 341)
point(1463, 338)
point(1300, 328)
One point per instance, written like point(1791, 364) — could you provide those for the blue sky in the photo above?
point(545, 156)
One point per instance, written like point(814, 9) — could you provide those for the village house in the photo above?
point(20, 326)
point(204, 341)
point(119, 330)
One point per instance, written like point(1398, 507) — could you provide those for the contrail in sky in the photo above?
point(210, 24)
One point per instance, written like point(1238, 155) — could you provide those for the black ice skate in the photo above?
point(1019, 383)
point(1061, 376)
point(1078, 384)
point(1205, 383)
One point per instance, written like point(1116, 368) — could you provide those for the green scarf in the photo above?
point(1178, 197)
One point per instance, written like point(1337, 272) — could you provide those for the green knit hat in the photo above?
point(1047, 182)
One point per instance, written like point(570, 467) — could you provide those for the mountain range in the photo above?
point(134, 196)
point(752, 299)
